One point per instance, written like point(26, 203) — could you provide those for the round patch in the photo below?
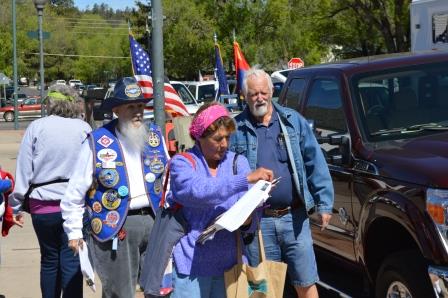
point(107, 155)
point(153, 139)
point(132, 91)
point(112, 218)
point(147, 162)
point(156, 166)
point(158, 186)
point(96, 225)
point(123, 191)
point(150, 177)
point(111, 199)
point(108, 177)
point(96, 206)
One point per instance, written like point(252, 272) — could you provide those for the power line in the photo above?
point(84, 56)
point(84, 19)
point(94, 27)
point(97, 33)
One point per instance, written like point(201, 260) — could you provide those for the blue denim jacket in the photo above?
point(315, 184)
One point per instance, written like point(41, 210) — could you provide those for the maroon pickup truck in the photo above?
point(382, 123)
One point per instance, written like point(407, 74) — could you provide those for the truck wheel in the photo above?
point(403, 275)
point(9, 116)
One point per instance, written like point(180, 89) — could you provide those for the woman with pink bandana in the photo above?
point(206, 188)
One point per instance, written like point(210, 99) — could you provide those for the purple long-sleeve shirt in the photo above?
point(204, 197)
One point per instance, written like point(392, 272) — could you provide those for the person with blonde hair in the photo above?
point(45, 163)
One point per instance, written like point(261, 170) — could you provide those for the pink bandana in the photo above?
point(207, 117)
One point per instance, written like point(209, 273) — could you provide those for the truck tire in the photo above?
point(9, 116)
point(404, 274)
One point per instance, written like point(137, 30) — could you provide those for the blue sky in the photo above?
point(115, 4)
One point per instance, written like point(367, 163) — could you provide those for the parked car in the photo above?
point(23, 81)
point(20, 98)
point(278, 79)
point(74, 83)
point(29, 108)
point(203, 90)
point(188, 99)
point(382, 123)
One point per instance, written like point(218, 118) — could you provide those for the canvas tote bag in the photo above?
point(264, 281)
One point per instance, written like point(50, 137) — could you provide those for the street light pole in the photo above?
point(158, 72)
point(14, 50)
point(40, 4)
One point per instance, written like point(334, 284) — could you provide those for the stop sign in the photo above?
point(295, 63)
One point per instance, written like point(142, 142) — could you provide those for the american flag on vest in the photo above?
point(141, 66)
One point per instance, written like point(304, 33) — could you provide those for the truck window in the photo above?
point(294, 93)
point(402, 99)
point(324, 106)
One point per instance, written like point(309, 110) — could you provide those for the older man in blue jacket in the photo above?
point(280, 139)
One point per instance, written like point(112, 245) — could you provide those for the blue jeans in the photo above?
point(59, 268)
point(186, 286)
point(288, 239)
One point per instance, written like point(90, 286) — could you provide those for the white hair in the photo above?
point(256, 72)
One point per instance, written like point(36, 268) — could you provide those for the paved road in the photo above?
point(23, 124)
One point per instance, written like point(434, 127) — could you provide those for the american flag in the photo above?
point(141, 66)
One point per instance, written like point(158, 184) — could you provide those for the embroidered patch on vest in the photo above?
point(108, 177)
point(107, 155)
point(112, 218)
point(111, 199)
point(96, 225)
point(153, 139)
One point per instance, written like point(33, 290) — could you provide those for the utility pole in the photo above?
point(157, 63)
point(14, 49)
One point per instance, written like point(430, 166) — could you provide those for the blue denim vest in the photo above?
point(311, 168)
point(108, 198)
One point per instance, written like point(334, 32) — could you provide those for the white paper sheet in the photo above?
point(86, 267)
point(233, 218)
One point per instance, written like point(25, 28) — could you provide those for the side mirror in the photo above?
point(343, 156)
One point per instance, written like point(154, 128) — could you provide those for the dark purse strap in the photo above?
point(34, 186)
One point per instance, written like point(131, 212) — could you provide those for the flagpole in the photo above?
point(215, 38)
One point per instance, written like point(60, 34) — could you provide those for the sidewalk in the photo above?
point(20, 256)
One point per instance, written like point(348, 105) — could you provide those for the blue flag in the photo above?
point(220, 74)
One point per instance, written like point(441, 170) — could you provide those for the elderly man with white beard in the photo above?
point(118, 180)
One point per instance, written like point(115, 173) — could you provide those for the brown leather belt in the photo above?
point(296, 204)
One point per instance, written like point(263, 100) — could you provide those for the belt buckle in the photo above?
point(276, 213)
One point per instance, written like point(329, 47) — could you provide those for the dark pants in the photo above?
point(59, 268)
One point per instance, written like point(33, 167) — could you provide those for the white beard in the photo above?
point(136, 137)
point(259, 111)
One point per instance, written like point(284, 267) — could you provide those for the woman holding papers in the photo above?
point(206, 185)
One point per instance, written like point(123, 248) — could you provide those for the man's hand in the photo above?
point(19, 219)
point(324, 220)
point(75, 244)
point(260, 174)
